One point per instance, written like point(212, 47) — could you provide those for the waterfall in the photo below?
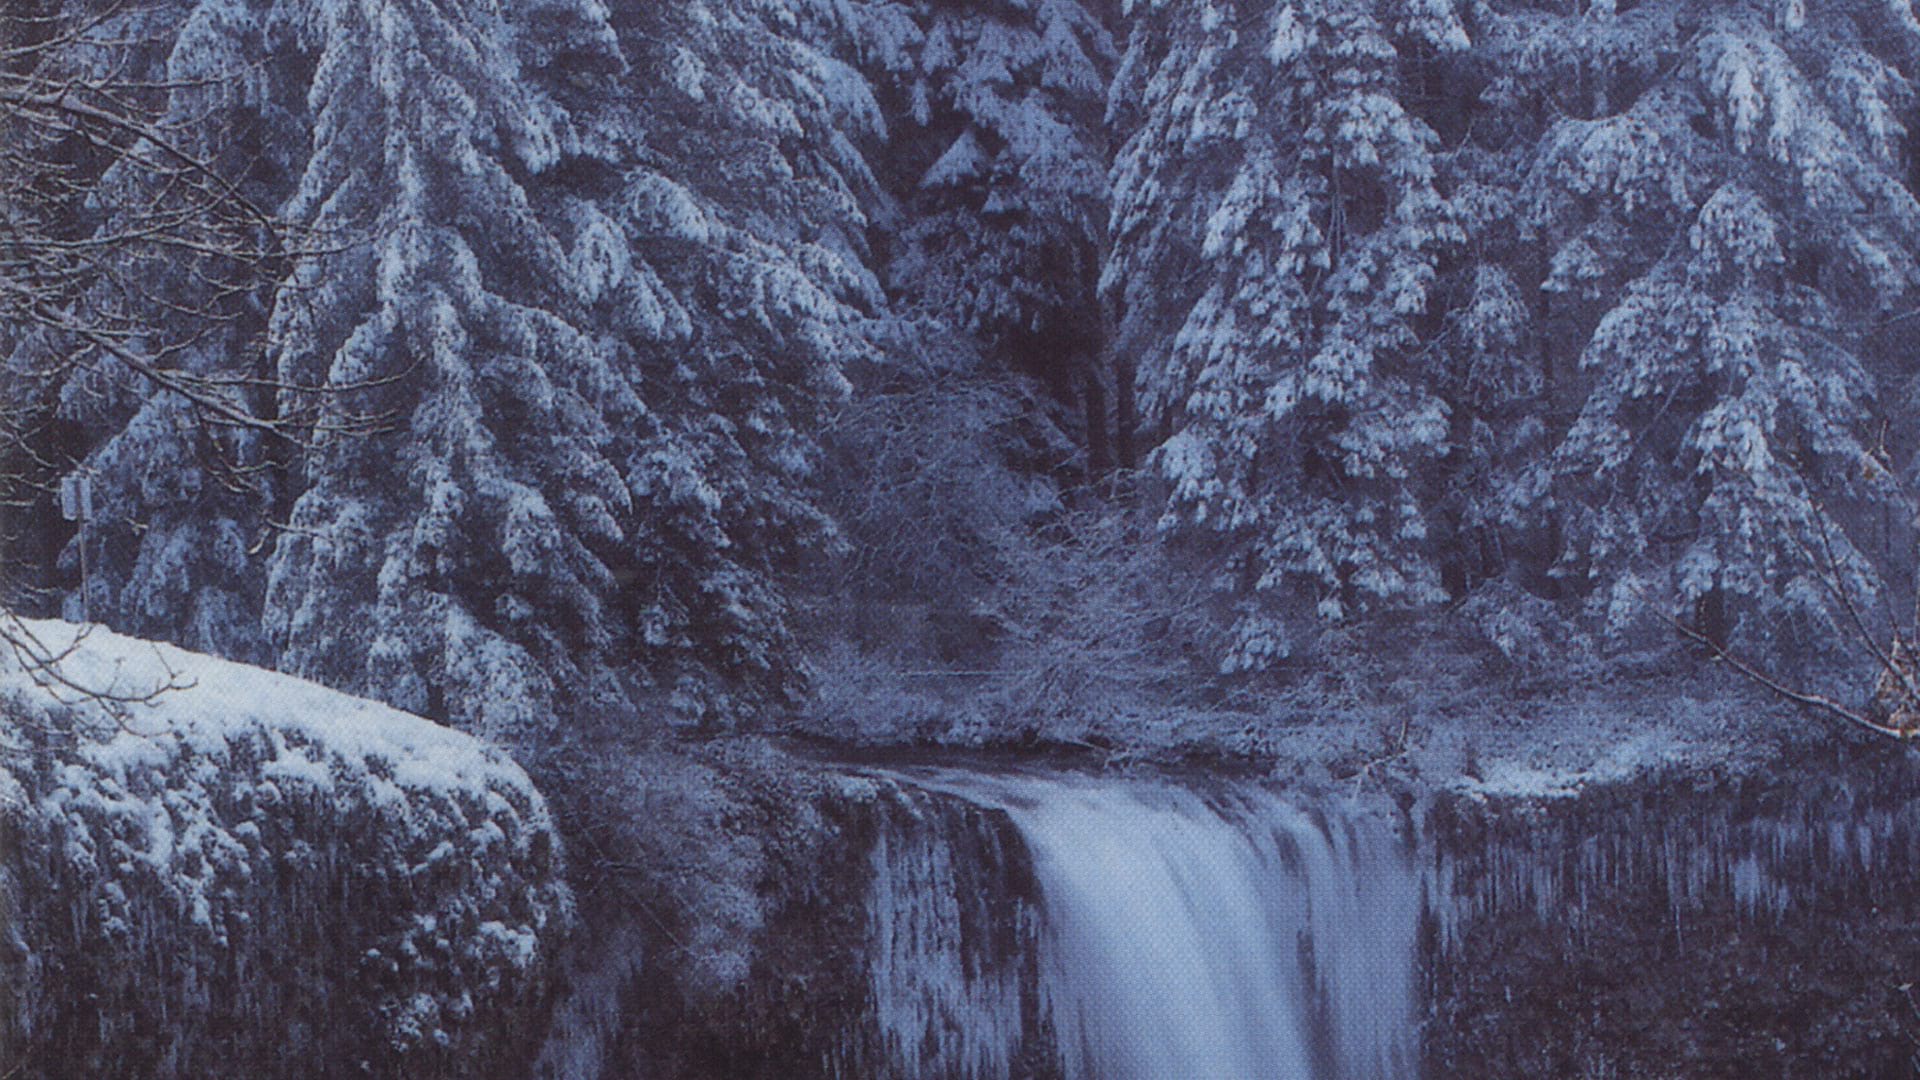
point(1225, 935)
point(943, 924)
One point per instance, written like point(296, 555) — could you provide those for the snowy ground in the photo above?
point(1500, 743)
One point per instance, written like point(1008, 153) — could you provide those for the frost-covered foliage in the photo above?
point(605, 313)
point(1277, 232)
point(575, 285)
point(1713, 200)
point(745, 194)
point(251, 872)
point(435, 566)
point(137, 259)
point(1606, 302)
point(980, 603)
point(997, 158)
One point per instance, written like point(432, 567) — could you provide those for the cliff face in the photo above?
point(1033, 925)
point(1691, 926)
point(250, 875)
point(1692, 923)
point(900, 941)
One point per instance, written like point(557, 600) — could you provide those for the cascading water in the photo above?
point(952, 925)
point(1231, 936)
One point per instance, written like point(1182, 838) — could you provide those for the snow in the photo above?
point(186, 820)
point(963, 161)
point(219, 699)
point(1565, 770)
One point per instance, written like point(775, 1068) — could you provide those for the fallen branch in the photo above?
point(1818, 702)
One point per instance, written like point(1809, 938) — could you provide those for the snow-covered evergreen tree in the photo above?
point(424, 565)
point(156, 362)
point(1277, 235)
point(998, 164)
point(1599, 300)
point(1717, 193)
point(748, 200)
point(602, 281)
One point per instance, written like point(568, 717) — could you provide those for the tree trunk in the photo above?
point(1094, 396)
point(1710, 617)
point(1126, 420)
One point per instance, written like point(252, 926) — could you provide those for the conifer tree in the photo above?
point(998, 163)
point(149, 337)
point(1278, 231)
point(599, 297)
point(1719, 193)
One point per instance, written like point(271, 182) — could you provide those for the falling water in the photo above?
point(1230, 936)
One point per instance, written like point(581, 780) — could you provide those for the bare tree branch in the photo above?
point(1815, 701)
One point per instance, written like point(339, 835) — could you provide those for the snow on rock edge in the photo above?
point(253, 872)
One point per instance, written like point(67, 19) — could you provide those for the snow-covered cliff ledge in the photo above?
point(252, 875)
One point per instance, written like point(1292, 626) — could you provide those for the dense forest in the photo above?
point(554, 368)
point(666, 393)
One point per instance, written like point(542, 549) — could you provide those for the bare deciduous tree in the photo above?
point(102, 182)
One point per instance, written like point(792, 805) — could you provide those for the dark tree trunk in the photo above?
point(1094, 396)
point(1126, 421)
point(1710, 617)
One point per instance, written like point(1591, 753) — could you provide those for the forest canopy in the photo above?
point(559, 365)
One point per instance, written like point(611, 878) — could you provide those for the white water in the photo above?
point(1231, 938)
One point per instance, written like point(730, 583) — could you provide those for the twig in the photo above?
point(44, 664)
point(1802, 697)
